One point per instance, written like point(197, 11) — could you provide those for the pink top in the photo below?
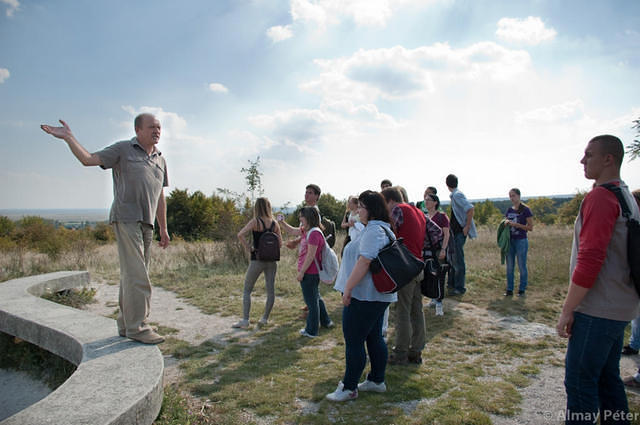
point(315, 238)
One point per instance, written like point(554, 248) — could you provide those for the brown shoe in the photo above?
point(415, 358)
point(123, 333)
point(396, 360)
point(149, 337)
point(630, 382)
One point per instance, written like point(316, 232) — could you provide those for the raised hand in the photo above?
point(63, 132)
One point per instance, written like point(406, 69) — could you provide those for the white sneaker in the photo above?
point(439, 311)
point(243, 324)
point(372, 386)
point(262, 322)
point(340, 394)
point(304, 332)
point(433, 303)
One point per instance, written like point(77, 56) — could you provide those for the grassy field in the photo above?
point(473, 368)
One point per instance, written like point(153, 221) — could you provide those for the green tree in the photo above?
point(197, 217)
point(6, 226)
point(568, 211)
point(332, 208)
point(39, 234)
point(543, 210)
point(485, 212)
point(329, 206)
point(253, 177)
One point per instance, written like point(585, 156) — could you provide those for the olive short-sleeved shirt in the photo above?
point(138, 179)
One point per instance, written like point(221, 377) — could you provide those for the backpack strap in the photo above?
point(431, 246)
point(626, 212)
point(264, 227)
point(315, 257)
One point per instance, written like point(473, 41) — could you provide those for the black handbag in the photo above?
point(430, 285)
point(395, 266)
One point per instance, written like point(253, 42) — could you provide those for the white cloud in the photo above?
point(290, 133)
point(530, 31)
point(12, 6)
point(362, 12)
point(309, 11)
point(324, 13)
point(218, 88)
point(398, 72)
point(4, 74)
point(280, 33)
point(554, 114)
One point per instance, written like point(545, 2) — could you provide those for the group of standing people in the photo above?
point(600, 302)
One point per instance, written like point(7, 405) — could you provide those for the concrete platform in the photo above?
point(117, 380)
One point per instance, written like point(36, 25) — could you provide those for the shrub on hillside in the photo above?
point(543, 210)
point(6, 226)
point(103, 233)
point(568, 212)
point(486, 213)
point(329, 206)
point(199, 217)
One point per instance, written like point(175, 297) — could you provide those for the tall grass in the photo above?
point(472, 368)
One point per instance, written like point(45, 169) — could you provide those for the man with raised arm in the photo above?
point(602, 298)
point(139, 177)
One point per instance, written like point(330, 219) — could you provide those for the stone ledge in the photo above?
point(117, 380)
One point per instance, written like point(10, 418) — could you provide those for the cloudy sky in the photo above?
point(342, 93)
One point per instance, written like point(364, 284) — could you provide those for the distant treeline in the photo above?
point(195, 216)
point(545, 210)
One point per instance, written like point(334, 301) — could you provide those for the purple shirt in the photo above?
point(519, 217)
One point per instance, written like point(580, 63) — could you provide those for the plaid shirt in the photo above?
point(397, 217)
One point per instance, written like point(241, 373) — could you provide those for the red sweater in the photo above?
point(600, 210)
point(411, 227)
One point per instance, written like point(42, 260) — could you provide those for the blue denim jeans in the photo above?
point(592, 371)
point(517, 248)
point(362, 323)
point(458, 269)
point(317, 310)
point(634, 341)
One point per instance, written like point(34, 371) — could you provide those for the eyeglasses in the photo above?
point(362, 206)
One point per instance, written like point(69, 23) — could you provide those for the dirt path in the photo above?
point(543, 400)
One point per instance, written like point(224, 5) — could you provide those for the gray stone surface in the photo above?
point(18, 391)
point(117, 381)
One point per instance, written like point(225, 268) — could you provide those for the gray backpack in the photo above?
point(328, 269)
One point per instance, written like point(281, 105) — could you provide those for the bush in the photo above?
point(329, 206)
point(6, 226)
point(198, 217)
point(103, 233)
point(486, 212)
point(543, 210)
point(568, 212)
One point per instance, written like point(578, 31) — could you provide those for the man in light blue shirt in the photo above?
point(462, 225)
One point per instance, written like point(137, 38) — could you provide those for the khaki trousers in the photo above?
point(409, 326)
point(134, 249)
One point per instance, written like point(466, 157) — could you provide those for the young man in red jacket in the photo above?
point(410, 224)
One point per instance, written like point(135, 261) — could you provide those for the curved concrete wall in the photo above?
point(117, 380)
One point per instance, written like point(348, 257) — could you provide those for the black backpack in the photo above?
point(268, 244)
point(329, 231)
point(633, 235)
